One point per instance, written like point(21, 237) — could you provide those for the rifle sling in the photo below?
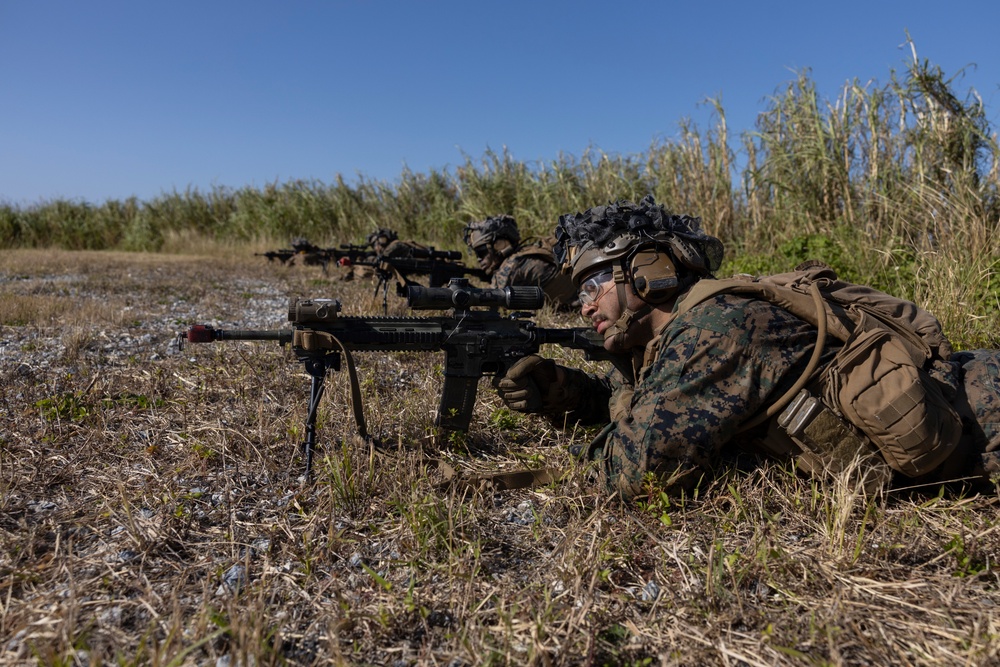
point(312, 340)
point(500, 481)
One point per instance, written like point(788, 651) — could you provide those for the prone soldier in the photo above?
point(838, 377)
point(386, 243)
point(496, 243)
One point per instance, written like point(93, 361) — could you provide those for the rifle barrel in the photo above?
point(280, 335)
point(204, 333)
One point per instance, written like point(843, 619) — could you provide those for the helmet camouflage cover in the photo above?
point(382, 232)
point(603, 234)
point(489, 230)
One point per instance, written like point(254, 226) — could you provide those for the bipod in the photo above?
point(383, 283)
point(317, 368)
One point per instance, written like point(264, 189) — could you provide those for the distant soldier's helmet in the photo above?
point(488, 231)
point(300, 244)
point(382, 233)
point(608, 235)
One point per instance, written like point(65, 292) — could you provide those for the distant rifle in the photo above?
point(475, 343)
point(440, 267)
point(313, 255)
point(355, 250)
point(283, 255)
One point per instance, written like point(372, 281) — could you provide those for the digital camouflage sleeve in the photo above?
point(716, 367)
point(713, 369)
point(979, 405)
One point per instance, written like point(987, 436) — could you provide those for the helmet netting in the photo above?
point(489, 230)
point(599, 225)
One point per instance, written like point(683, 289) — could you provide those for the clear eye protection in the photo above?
point(591, 287)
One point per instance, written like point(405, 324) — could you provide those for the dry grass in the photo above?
point(151, 512)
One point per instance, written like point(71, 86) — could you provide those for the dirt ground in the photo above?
point(153, 510)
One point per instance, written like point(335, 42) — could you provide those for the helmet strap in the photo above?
point(620, 328)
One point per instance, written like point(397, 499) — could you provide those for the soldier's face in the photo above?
point(594, 304)
point(603, 308)
point(486, 258)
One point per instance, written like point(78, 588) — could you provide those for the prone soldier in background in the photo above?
point(496, 243)
point(840, 378)
point(386, 243)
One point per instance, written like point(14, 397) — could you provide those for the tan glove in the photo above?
point(528, 383)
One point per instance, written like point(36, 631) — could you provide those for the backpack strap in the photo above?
point(704, 290)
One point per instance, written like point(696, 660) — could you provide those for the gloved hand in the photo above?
point(528, 383)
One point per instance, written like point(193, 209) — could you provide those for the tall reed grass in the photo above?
point(894, 184)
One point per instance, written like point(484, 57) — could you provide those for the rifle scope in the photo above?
point(459, 294)
point(431, 253)
point(312, 311)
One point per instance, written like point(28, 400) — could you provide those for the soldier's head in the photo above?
point(380, 238)
point(642, 252)
point(301, 244)
point(492, 241)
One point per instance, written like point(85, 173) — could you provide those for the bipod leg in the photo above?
point(316, 368)
point(383, 286)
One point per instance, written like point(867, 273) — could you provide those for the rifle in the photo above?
point(475, 343)
point(313, 255)
point(354, 252)
point(440, 267)
point(440, 271)
point(282, 255)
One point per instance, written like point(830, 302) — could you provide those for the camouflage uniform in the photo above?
point(402, 249)
point(384, 243)
point(711, 375)
point(708, 372)
point(536, 265)
point(508, 262)
point(978, 403)
point(716, 366)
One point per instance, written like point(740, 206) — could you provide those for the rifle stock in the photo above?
point(281, 255)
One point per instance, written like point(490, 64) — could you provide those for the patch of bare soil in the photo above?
point(152, 511)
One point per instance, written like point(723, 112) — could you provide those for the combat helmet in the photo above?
point(609, 235)
point(490, 230)
point(375, 239)
point(301, 245)
point(654, 252)
point(492, 240)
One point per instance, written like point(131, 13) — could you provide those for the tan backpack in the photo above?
point(880, 383)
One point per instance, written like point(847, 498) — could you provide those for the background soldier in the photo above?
point(497, 246)
point(386, 243)
point(706, 370)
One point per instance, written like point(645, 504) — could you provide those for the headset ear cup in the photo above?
point(654, 275)
point(502, 246)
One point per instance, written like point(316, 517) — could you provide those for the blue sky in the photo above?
point(107, 100)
